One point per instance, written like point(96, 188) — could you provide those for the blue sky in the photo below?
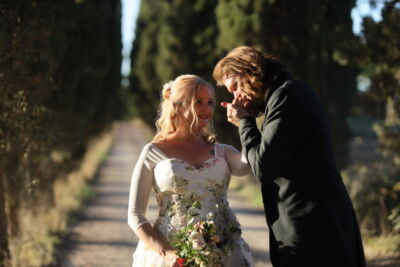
point(130, 9)
point(363, 9)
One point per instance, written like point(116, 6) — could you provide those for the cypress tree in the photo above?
point(186, 39)
point(312, 37)
point(4, 250)
point(240, 23)
point(144, 82)
point(187, 44)
point(60, 78)
point(172, 38)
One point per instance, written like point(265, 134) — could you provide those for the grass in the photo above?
point(382, 250)
point(46, 226)
point(87, 193)
point(101, 156)
point(383, 245)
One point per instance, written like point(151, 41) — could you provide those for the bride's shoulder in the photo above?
point(147, 147)
point(151, 155)
point(150, 147)
point(225, 146)
point(154, 150)
point(145, 150)
point(226, 149)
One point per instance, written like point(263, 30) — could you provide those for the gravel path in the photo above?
point(102, 238)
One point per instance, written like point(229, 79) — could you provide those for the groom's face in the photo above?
point(234, 86)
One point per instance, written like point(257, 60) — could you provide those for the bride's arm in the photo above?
point(236, 161)
point(141, 185)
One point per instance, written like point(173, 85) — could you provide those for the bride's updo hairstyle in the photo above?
point(177, 96)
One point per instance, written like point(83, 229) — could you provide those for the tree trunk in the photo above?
point(4, 252)
point(384, 223)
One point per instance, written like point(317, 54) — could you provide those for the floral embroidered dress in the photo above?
point(194, 214)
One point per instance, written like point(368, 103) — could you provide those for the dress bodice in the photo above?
point(175, 176)
point(178, 185)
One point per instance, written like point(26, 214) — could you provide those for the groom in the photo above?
point(309, 214)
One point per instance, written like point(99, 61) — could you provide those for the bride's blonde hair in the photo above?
point(183, 90)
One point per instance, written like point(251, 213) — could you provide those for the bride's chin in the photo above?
point(201, 126)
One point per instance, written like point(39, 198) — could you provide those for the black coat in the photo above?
point(309, 213)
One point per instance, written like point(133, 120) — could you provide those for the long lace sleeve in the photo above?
point(237, 161)
point(141, 185)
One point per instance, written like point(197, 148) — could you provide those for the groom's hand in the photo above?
point(234, 112)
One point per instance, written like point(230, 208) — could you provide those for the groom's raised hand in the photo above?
point(234, 111)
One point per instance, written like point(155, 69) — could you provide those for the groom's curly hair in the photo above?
point(257, 70)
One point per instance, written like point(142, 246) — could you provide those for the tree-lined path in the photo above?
point(102, 238)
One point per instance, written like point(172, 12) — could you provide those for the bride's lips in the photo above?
point(204, 117)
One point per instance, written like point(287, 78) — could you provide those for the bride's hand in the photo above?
point(171, 258)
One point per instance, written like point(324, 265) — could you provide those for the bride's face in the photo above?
point(203, 108)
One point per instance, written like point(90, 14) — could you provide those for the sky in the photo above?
point(130, 9)
point(363, 9)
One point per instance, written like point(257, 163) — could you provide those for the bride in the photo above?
point(189, 173)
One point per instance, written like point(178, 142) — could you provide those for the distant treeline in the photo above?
point(59, 87)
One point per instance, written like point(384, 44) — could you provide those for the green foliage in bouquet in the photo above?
point(198, 242)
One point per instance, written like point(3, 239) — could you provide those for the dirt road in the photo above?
point(102, 238)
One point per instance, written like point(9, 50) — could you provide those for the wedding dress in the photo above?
point(189, 198)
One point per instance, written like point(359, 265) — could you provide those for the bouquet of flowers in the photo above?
point(198, 242)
